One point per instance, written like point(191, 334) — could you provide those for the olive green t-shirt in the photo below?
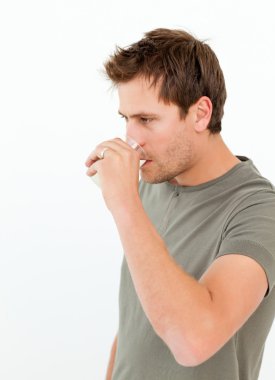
point(234, 213)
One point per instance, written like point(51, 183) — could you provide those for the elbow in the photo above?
point(190, 355)
point(194, 357)
point(190, 349)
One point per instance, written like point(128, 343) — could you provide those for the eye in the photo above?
point(123, 117)
point(145, 120)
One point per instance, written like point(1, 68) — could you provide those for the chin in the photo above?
point(153, 179)
point(147, 179)
point(158, 174)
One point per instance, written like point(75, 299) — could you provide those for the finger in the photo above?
point(91, 158)
point(130, 145)
point(96, 154)
point(115, 144)
point(93, 169)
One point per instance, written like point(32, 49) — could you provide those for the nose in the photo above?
point(135, 146)
point(134, 131)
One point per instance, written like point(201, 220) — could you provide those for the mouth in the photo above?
point(146, 162)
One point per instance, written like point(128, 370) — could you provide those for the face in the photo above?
point(169, 142)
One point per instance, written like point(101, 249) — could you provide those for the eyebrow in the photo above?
point(139, 114)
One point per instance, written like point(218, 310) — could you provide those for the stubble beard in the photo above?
point(176, 160)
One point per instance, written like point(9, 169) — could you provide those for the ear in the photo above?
point(203, 111)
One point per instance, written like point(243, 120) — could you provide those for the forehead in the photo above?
point(139, 93)
point(138, 87)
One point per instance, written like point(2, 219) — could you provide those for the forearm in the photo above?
point(177, 305)
point(111, 360)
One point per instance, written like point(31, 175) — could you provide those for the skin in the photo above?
point(194, 318)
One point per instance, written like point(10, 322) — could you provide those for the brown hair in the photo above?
point(188, 69)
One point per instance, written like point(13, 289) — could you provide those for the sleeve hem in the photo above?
point(253, 250)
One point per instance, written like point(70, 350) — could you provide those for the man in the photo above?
point(198, 231)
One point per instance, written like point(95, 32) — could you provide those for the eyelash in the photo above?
point(144, 120)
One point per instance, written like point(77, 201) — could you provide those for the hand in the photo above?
point(118, 171)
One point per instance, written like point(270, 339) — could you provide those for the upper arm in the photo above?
point(237, 284)
point(241, 275)
point(244, 270)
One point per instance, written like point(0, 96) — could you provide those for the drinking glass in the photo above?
point(133, 144)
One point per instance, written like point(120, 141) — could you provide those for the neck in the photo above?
point(214, 160)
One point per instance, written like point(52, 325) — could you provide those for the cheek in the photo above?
point(165, 137)
point(155, 144)
point(181, 146)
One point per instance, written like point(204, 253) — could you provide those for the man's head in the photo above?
point(185, 67)
point(171, 92)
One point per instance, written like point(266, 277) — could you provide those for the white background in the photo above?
point(60, 252)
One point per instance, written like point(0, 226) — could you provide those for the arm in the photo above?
point(194, 318)
point(111, 360)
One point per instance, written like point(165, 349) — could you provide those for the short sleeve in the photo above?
point(250, 231)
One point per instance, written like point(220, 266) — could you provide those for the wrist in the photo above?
point(127, 206)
